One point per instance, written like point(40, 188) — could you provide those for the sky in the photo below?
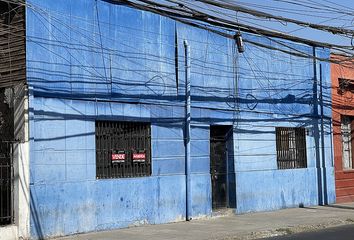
point(338, 13)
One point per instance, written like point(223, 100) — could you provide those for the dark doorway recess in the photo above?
point(6, 166)
point(220, 137)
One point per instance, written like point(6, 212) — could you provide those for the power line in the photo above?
point(234, 7)
point(61, 23)
point(196, 16)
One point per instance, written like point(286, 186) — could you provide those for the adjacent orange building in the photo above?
point(342, 74)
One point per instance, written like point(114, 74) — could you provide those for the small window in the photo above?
point(123, 149)
point(345, 85)
point(347, 130)
point(291, 148)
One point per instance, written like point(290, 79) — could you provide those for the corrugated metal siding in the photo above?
point(127, 73)
point(12, 44)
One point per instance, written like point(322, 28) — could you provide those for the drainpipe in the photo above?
point(187, 141)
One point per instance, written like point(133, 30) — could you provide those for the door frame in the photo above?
point(226, 133)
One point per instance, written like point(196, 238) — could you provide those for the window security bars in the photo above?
point(6, 170)
point(123, 149)
point(345, 85)
point(347, 130)
point(291, 148)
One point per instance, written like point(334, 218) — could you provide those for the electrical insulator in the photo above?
point(239, 42)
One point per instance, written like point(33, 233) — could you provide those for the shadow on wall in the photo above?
point(35, 218)
point(278, 107)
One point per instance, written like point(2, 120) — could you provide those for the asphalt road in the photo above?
point(337, 233)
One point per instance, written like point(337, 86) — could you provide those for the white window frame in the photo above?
point(346, 134)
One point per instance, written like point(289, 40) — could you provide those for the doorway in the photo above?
point(6, 163)
point(219, 170)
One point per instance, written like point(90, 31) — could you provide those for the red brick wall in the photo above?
point(343, 104)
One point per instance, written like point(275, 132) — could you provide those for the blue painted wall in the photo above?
point(89, 60)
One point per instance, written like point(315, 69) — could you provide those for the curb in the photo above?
point(290, 230)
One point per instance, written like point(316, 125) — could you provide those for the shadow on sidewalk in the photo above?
point(330, 206)
point(341, 207)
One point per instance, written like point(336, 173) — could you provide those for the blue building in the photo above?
point(135, 118)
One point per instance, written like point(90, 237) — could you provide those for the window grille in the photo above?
point(123, 149)
point(345, 85)
point(291, 148)
point(6, 178)
point(347, 130)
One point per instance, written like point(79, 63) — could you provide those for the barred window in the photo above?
point(123, 149)
point(291, 148)
point(347, 131)
point(345, 85)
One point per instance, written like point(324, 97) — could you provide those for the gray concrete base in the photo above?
point(247, 226)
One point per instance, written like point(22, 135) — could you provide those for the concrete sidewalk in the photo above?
point(247, 226)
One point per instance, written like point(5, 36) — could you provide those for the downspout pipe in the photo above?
point(187, 141)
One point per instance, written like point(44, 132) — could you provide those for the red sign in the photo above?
point(118, 157)
point(139, 157)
